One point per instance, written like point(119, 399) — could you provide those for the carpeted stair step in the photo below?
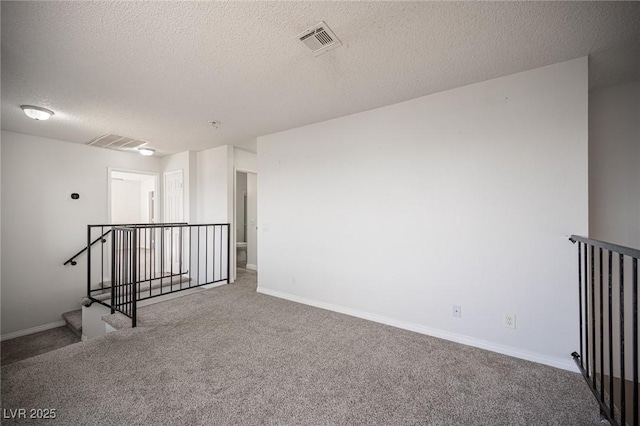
point(118, 321)
point(74, 321)
point(153, 287)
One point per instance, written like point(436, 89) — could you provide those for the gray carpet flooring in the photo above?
point(35, 344)
point(232, 356)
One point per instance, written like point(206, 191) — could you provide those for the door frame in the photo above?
point(237, 170)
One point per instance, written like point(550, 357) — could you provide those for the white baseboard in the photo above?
point(32, 330)
point(252, 266)
point(564, 364)
point(214, 285)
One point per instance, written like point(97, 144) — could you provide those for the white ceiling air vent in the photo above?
point(119, 143)
point(319, 39)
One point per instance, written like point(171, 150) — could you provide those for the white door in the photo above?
point(174, 247)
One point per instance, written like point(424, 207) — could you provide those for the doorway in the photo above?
point(132, 197)
point(246, 212)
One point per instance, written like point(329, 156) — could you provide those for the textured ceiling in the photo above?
point(161, 71)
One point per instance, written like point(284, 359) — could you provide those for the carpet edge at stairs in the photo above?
point(73, 319)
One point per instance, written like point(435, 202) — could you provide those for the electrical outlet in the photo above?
point(510, 320)
point(457, 311)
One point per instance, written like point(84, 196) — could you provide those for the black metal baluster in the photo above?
point(102, 241)
point(593, 315)
point(610, 300)
point(121, 266)
point(127, 288)
point(622, 375)
point(213, 255)
point(134, 282)
point(217, 254)
point(206, 254)
point(88, 260)
point(586, 309)
point(139, 236)
point(114, 237)
point(580, 298)
point(120, 269)
point(161, 261)
point(139, 243)
point(198, 259)
point(152, 259)
point(180, 254)
point(118, 259)
point(634, 302)
point(148, 255)
point(134, 264)
point(608, 404)
point(229, 253)
point(132, 272)
point(171, 260)
point(125, 271)
point(601, 304)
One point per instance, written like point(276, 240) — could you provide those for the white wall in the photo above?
point(464, 197)
point(215, 191)
point(614, 165)
point(215, 187)
point(43, 226)
point(245, 160)
point(125, 201)
point(146, 187)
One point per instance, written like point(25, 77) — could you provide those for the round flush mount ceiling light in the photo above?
point(147, 152)
point(37, 113)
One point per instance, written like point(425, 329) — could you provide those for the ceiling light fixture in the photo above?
point(147, 152)
point(37, 113)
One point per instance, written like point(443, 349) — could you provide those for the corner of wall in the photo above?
point(193, 187)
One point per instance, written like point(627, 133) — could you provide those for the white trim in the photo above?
point(564, 364)
point(214, 285)
point(255, 268)
point(32, 330)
